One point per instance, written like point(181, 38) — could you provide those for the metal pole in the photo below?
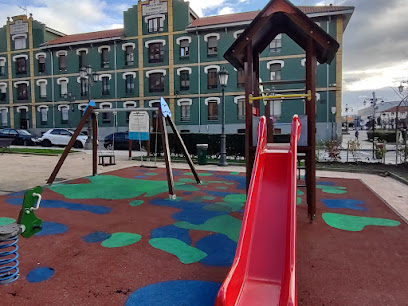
point(374, 121)
point(223, 153)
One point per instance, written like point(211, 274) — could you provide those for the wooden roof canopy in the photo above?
point(281, 16)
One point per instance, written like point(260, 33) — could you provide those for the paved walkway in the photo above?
point(22, 171)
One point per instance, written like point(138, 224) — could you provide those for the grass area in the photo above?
point(37, 151)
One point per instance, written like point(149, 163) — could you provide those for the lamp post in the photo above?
point(223, 78)
point(70, 99)
point(90, 77)
point(333, 112)
point(373, 102)
point(404, 100)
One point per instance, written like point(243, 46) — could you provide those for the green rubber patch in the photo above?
point(113, 188)
point(210, 198)
point(235, 197)
point(6, 221)
point(299, 192)
point(121, 239)
point(332, 189)
point(222, 187)
point(298, 200)
point(199, 174)
point(355, 223)
point(221, 182)
point(189, 180)
point(136, 203)
point(225, 206)
point(186, 187)
point(185, 253)
point(234, 173)
point(150, 173)
point(224, 224)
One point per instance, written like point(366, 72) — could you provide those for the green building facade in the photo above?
point(164, 50)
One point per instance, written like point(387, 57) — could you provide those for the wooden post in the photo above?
point(185, 152)
point(70, 145)
point(130, 149)
point(148, 148)
point(249, 151)
point(94, 144)
point(311, 64)
point(165, 144)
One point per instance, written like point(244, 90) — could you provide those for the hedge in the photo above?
point(235, 143)
point(388, 136)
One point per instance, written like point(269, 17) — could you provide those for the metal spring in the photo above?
point(9, 271)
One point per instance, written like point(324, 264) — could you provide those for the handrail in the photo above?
point(307, 95)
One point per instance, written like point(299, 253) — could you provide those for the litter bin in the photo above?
point(202, 153)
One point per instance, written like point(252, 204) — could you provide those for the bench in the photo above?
point(5, 144)
point(103, 160)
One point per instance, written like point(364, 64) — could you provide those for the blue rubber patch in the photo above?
point(17, 194)
point(95, 209)
point(172, 293)
point(96, 237)
point(219, 248)
point(39, 275)
point(140, 176)
point(192, 212)
point(52, 228)
point(346, 203)
point(187, 193)
point(325, 183)
point(171, 231)
point(241, 180)
point(221, 194)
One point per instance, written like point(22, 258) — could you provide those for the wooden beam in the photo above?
point(70, 144)
point(249, 158)
point(94, 144)
point(165, 144)
point(185, 152)
point(311, 64)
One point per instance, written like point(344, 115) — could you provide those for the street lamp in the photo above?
point(223, 78)
point(90, 77)
point(333, 111)
point(373, 102)
point(405, 101)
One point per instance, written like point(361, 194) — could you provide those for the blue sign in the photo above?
point(139, 135)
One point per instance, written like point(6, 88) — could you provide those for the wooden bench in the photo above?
point(103, 160)
point(5, 144)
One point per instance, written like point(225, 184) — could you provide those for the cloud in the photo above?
point(226, 10)
point(203, 8)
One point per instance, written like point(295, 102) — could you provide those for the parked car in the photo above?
point(61, 137)
point(20, 137)
point(120, 141)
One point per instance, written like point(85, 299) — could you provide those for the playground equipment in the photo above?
point(164, 116)
point(264, 268)
point(281, 16)
point(27, 225)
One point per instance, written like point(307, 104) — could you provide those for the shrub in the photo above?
point(382, 135)
point(333, 148)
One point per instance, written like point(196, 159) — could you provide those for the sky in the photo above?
point(375, 46)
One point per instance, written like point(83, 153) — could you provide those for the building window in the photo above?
point(41, 64)
point(3, 117)
point(105, 58)
point(44, 115)
point(184, 80)
point(106, 117)
point(240, 78)
point(3, 91)
point(275, 72)
point(241, 108)
point(212, 46)
point(212, 78)
point(129, 55)
point(63, 87)
point(62, 62)
point(82, 59)
point(105, 85)
point(43, 89)
point(155, 24)
point(22, 92)
point(84, 87)
point(155, 52)
point(130, 84)
point(212, 110)
point(185, 111)
point(184, 48)
point(21, 65)
point(19, 42)
point(2, 66)
point(64, 114)
point(129, 104)
point(276, 44)
point(156, 82)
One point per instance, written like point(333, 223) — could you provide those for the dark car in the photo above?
point(20, 137)
point(121, 141)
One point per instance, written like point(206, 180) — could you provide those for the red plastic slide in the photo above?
point(264, 268)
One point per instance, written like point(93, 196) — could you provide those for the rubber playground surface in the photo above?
point(117, 239)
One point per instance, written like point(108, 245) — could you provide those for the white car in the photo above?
point(61, 137)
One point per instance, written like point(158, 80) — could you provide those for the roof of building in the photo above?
point(402, 109)
point(106, 34)
point(249, 16)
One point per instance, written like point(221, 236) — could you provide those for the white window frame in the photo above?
point(162, 17)
point(237, 33)
point(212, 98)
point(206, 36)
point(105, 75)
point(63, 80)
point(82, 106)
point(154, 41)
point(101, 105)
point(236, 99)
point(153, 101)
point(19, 108)
point(128, 45)
point(3, 85)
point(42, 54)
point(184, 101)
point(61, 52)
point(42, 83)
point(130, 104)
point(21, 82)
point(179, 39)
point(303, 62)
point(43, 110)
point(100, 48)
point(163, 71)
point(179, 70)
point(60, 108)
point(128, 73)
point(211, 67)
point(4, 110)
point(78, 51)
point(15, 57)
point(22, 37)
point(279, 36)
